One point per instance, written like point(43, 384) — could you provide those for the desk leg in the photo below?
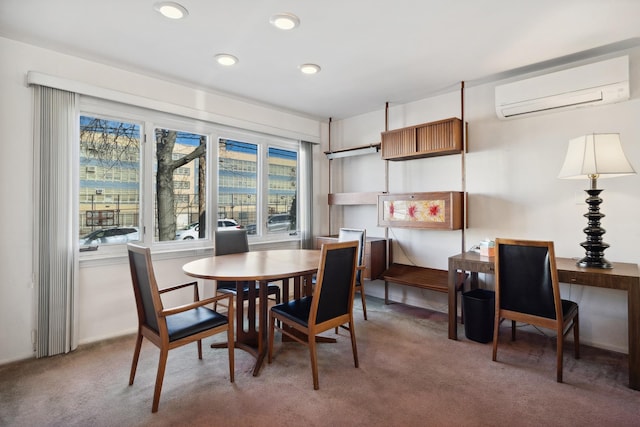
point(633, 307)
point(453, 304)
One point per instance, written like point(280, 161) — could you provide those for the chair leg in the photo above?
point(231, 348)
point(576, 337)
point(136, 355)
point(496, 328)
point(364, 303)
point(314, 360)
point(200, 349)
point(354, 348)
point(513, 330)
point(162, 363)
point(560, 341)
point(272, 327)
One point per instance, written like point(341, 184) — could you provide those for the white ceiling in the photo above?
point(370, 51)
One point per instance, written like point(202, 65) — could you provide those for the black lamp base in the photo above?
point(597, 263)
point(594, 246)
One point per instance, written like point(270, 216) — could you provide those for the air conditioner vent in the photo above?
point(593, 84)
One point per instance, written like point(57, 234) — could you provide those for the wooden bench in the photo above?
point(419, 277)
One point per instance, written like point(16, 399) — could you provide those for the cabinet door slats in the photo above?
point(425, 140)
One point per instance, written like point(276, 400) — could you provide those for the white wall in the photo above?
point(511, 179)
point(106, 307)
point(513, 191)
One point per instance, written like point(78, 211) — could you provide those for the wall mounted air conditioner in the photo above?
point(599, 83)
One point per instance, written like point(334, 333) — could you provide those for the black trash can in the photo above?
point(478, 307)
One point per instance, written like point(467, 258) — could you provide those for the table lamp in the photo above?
point(593, 156)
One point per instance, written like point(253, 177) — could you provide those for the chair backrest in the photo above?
point(145, 287)
point(359, 235)
point(527, 278)
point(335, 284)
point(233, 241)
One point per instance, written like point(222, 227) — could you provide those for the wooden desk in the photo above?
point(622, 276)
point(298, 265)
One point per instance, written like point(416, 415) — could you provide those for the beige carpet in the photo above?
point(410, 375)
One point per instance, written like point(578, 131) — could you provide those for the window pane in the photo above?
point(237, 183)
point(180, 185)
point(282, 194)
point(109, 182)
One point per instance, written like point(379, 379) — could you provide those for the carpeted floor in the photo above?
point(410, 375)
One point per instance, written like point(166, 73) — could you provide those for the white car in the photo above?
point(192, 231)
point(110, 236)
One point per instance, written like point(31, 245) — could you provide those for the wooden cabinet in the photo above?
point(375, 254)
point(426, 140)
point(439, 210)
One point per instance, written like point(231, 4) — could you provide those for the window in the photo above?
point(149, 177)
point(257, 185)
point(282, 194)
point(107, 145)
point(238, 182)
point(180, 182)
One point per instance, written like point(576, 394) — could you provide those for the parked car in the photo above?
point(110, 236)
point(192, 231)
point(279, 222)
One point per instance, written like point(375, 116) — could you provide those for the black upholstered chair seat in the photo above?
point(191, 322)
point(296, 310)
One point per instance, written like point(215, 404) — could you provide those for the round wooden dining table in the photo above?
point(286, 265)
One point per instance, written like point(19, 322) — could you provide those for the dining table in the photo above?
point(294, 268)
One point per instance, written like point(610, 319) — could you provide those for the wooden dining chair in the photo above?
point(360, 236)
point(528, 290)
point(169, 328)
point(234, 241)
point(330, 306)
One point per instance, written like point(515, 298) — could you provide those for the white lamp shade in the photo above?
point(597, 154)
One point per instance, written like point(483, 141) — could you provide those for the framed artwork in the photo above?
point(439, 210)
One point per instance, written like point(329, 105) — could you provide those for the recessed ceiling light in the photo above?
point(285, 21)
point(309, 68)
point(226, 59)
point(171, 9)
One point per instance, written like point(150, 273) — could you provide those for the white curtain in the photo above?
point(55, 249)
point(306, 195)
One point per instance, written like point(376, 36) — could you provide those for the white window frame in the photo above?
point(149, 120)
point(263, 142)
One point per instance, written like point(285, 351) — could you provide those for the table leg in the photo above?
point(262, 326)
point(248, 339)
point(633, 307)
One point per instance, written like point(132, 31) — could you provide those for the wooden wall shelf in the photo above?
point(432, 139)
point(354, 198)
